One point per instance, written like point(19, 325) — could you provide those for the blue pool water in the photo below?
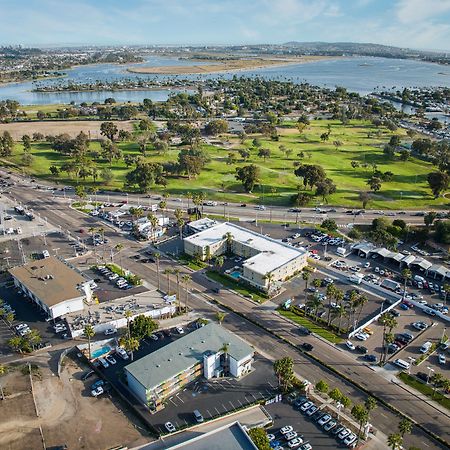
point(236, 274)
point(101, 351)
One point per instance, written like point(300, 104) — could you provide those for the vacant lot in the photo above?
point(67, 413)
point(71, 127)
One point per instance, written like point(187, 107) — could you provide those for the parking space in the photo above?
point(5, 334)
point(307, 429)
point(216, 397)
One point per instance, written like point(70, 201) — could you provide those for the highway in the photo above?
point(58, 213)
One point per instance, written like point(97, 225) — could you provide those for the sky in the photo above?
point(421, 24)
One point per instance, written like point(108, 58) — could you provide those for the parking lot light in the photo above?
point(430, 369)
point(411, 360)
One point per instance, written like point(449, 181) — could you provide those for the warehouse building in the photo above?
point(53, 285)
point(209, 352)
point(267, 262)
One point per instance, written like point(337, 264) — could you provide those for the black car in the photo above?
point(394, 312)
point(307, 346)
point(87, 375)
point(243, 205)
point(370, 358)
point(422, 376)
point(304, 330)
point(361, 349)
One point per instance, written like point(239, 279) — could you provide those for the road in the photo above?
point(250, 212)
point(58, 213)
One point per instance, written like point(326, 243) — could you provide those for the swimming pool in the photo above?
point(101, 351)
point(236, 274)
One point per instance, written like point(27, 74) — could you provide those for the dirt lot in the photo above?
point(18, 421)
point(67, 414)
point(72, 128)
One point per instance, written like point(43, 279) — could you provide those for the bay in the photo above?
point(357, 74)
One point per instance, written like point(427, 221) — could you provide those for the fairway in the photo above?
point(361, 142)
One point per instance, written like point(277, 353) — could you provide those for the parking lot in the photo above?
point(284, 415)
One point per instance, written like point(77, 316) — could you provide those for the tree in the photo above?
point(406, 274)
point(108, 129)
point(325, 188)
point(106, 175)
point(361, 414)
point(220, 316)
point(110, 150)
point(283, 369)
point(395, 441)
point(192, 161)
point(306, 274)
point(438, 182)
point(145, 175)
point(322, 386)
point(442, 233)
point(157, 257)
point(167, 272)
point(130, 344)
point(364, 198)
point(329, 224)
point(6, 144)
point(142, 327)
point(244, 153)
point(335, 394)
point(311, 174)
point(215, 127)
point(374, 183)
point(26, 141)
point(345, 401)
point(54, 171)
point(405, 427)
point(264, 153)
point(249, 176)
point(186, 279)
point(436, 380)
point(259, 438)
point(26, 159)
point(89, 333)
point(429, 217)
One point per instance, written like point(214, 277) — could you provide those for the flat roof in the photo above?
point(273, 254)
point(50, 280)
point(229, 437)
point(179, 355)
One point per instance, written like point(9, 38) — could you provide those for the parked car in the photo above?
point(307, 346)
point(350, 345)
point(111, 359)
point(311, 410)
point(295, 442)
point(97, 391)
point(306, 406)
point(329, 425)
point(324, 419)
point(110, 331)
point(362, 349)
point(87, 375)
point(179, 330)
point(170, 427)
point(287, 429)
point(442, 358)
point(122, 353)
point(291, 435)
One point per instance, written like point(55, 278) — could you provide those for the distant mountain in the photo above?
point(355, 48)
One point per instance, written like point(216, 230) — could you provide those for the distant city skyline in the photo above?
point(416, 24)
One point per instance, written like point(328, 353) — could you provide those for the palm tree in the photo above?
point(447, 292)
point(189, 197)
point(314, 304)
point(220, 316)
point(405, 427)
point(389, 323)
point(229, 241)
point(339, 312)
point(436, 379)
point(219, 261)
point(34, 338)
point(130, 344)
point(157, 257)
point(89, 332)
point(352, 300)
point(177, 274)
point(306, 274)
point(395, 441)
point(186, 279)
point(168, 272)
point(225, 349)
point(154, 224)
point(406, 274)
point(270, 278)
point(118, 247)
point(362, 300)
point(331, 293)
point(128, 315)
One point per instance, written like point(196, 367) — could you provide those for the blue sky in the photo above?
point(412, 23)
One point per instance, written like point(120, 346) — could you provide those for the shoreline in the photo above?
point(228, 66)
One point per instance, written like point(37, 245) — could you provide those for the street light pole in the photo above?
point(430, 369)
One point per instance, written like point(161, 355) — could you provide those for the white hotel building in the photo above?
point(267, 261)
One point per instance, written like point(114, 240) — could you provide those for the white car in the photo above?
point(122, 353)
point(442, 358)
point(170, 427)
point(329, 425)
point(271, 437)
point(287, 429)
point(349, 439)
point(350, 345)
point(179, 330)
point(110, 331)
point(111, 359)
point(290, 436)
point(324, 419)
point(344, 433)
point(113, 276)
point(153, 337)
point(97, 391)
point(362, 336)
point(306, 406)
point(312, 410)
point(295, 442)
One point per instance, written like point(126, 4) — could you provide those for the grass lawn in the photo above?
point(408, 189)
point(303, 321)
point(237, 287)
point(425, 389)
point(186, 260)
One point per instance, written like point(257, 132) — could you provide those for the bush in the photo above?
point(259, 438)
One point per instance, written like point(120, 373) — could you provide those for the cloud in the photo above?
point(413, 11)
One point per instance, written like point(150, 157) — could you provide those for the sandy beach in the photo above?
point(227, 65)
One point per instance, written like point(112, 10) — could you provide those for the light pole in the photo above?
point(411, 360)
point(430, 369)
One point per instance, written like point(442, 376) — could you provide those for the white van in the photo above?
point(341, 251)
point(103, 362)
point(402, 364)
point(45, 254)
point(425, 347)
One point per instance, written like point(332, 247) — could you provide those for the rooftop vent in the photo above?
point(180, 353)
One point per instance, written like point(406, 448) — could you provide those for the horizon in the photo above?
point(401, 23)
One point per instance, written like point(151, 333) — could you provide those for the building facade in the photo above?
point(208, 352)
point(267, 261)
